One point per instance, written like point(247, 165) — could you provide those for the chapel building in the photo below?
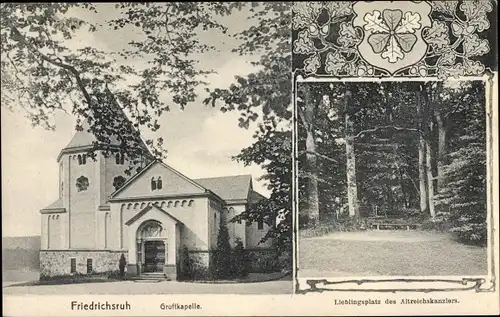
point(150, 216)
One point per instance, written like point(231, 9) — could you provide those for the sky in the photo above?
point(200, 140)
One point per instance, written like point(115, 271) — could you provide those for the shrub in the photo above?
point(222, 267)
point(185, 271)
point(115, 275)
point(331, 224)
point(239, 260)
point(265, 262)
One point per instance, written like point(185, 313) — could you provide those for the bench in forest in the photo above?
point(389, 226)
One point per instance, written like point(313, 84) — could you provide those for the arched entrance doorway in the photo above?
point(151, 247)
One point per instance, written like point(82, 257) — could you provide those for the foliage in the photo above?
point(330, 224)
point(462, 201)
point(265, 96)
point(240, 260)
point(273, 152)
point(265, 262)
point(222, 255)
point(44, 73)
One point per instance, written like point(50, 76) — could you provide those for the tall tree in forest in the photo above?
point(307, 112)
point(352, 185)
point(465, 179)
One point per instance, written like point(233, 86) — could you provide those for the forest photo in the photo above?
point(392, 178)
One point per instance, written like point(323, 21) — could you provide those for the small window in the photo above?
point(153, 184)
point(79, 159)
point(82, 183)
point(73, 265)
point(84, 159)
point(118, 182)
point(119, 159)
point(159, 183)
point(260, 225)
point(89, 266)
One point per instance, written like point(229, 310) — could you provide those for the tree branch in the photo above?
point(319, 155)
point(361, 133)
point(60, 64)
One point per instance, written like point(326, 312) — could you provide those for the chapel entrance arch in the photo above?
point(151, 247)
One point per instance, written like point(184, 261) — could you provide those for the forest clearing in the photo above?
point(392, 162)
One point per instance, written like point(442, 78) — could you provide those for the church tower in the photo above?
point(77, 220)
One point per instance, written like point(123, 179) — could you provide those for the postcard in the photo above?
point(250, 158)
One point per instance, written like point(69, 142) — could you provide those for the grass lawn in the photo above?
point(388, 253)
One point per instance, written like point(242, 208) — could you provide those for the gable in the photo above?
point(148, 209)
point(173, 183)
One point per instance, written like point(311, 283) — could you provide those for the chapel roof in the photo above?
point(228, 187)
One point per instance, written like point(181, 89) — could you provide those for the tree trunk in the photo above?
point(352, 187)
point(441, 162)
point(311, 160)
point(312, 186)
point(430, 178)
point(422, 170)
point(422, 176)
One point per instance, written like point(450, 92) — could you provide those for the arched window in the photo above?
point(82, 183)
point(119, 158)
point(79, 159)
point(153, 183)
point(159, 183)
point(84, 159)
point(118, 182)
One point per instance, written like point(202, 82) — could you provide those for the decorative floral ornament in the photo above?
point(392, 33)
point(392, 30)
point(391, 38)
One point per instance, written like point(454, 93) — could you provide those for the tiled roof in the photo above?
point(228, 187)
point(58, 204)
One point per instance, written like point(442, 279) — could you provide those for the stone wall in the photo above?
point(58, 263)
